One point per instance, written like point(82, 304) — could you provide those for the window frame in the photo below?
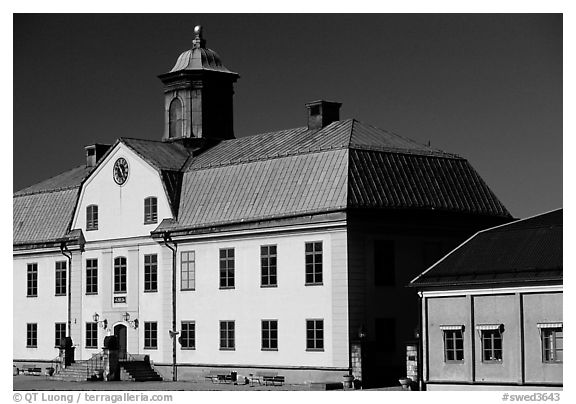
point(91, 335)
point(60, 277)
point(454, 336)
point(227, 281)
point(32, 279)
point(551, 334)
point(188, 335)
point(495, 336)
point(92, 217)
point(91, 276)
point(312, 343)
point(150, 335)
point(190, 270)
point(176, 120)
point(31, 335)
point(268, 270)
point(269, 335)
point(151, 272)
point(228, 341)
point(120, 279)
point(314, 273)
point(150, 210)
point(59, 333)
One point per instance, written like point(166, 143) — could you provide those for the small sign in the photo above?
point(119, 299)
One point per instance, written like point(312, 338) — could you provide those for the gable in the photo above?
point(121, 207)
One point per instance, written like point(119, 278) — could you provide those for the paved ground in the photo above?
point(31, 383)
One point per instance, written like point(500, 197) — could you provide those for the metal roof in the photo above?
point(527, 250)
point(43, 217)
point(293, 172)
point(265, 189)
point(69, 179)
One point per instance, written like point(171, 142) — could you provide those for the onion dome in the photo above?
point(199, 57)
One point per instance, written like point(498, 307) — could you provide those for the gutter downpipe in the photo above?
point(173, 333)
point(420, 365)
point(66, 252)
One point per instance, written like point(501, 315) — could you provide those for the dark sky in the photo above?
point(487, 87)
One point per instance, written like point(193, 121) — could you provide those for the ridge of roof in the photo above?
point(63, 181)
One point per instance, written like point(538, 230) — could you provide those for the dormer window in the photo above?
point(150, 210)
point(92, 217)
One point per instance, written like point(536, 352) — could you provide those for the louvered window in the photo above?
point(176, 126)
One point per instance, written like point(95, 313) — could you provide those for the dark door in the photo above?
point(120, 333)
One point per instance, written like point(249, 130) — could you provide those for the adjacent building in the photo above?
point(492, 309)
point(286, 250)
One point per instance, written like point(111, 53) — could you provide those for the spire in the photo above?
point(198, 41)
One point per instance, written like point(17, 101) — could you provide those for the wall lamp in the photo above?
point(96, 318)
point(133, 323)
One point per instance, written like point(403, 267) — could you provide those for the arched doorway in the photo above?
point(120, 333)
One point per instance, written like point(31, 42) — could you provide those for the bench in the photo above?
point(219, 376)
point(267, 378)
point(34, 371)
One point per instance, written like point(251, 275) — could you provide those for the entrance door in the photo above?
point(120, 333)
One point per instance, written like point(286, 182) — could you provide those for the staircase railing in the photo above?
point(94, 364)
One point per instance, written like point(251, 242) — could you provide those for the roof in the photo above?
point(66, 180)
point(199, 57)
point(528, 250)
point(43, 212)
point(43, 217)
point(346, 164)
point(291, 173)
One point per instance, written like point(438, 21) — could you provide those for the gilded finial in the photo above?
point(198, 41)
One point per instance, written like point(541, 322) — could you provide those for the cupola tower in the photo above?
point(198, 95)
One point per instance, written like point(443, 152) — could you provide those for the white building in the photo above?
point(270, 251)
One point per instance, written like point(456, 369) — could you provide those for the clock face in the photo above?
point(120, 171)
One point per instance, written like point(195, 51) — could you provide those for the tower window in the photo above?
point(175, 120)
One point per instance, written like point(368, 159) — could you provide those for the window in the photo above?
point(31, 335)
point(314, 335)
point(314, 263)
point(150, 335)
point(227, 335)
point(59, 333)
point(91, 335)
point(385, 330)
point(552, 343)
point(453, 343)
point(120, 275)
point(227, 268)
point(175, 121)
point(188, 337)
point(92, 217)
point(491, 339)
point(32, 280)
point(188, 270)
point(91, 276)
point(150, 210)
point(268, 264)
point(60, 278)
point(150, 273)
point(384, 263)
point(269, 335)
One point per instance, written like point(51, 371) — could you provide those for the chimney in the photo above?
point(94, 152)
point(322, 113)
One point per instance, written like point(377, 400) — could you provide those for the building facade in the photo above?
point(285, 250)
point(492, 310)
